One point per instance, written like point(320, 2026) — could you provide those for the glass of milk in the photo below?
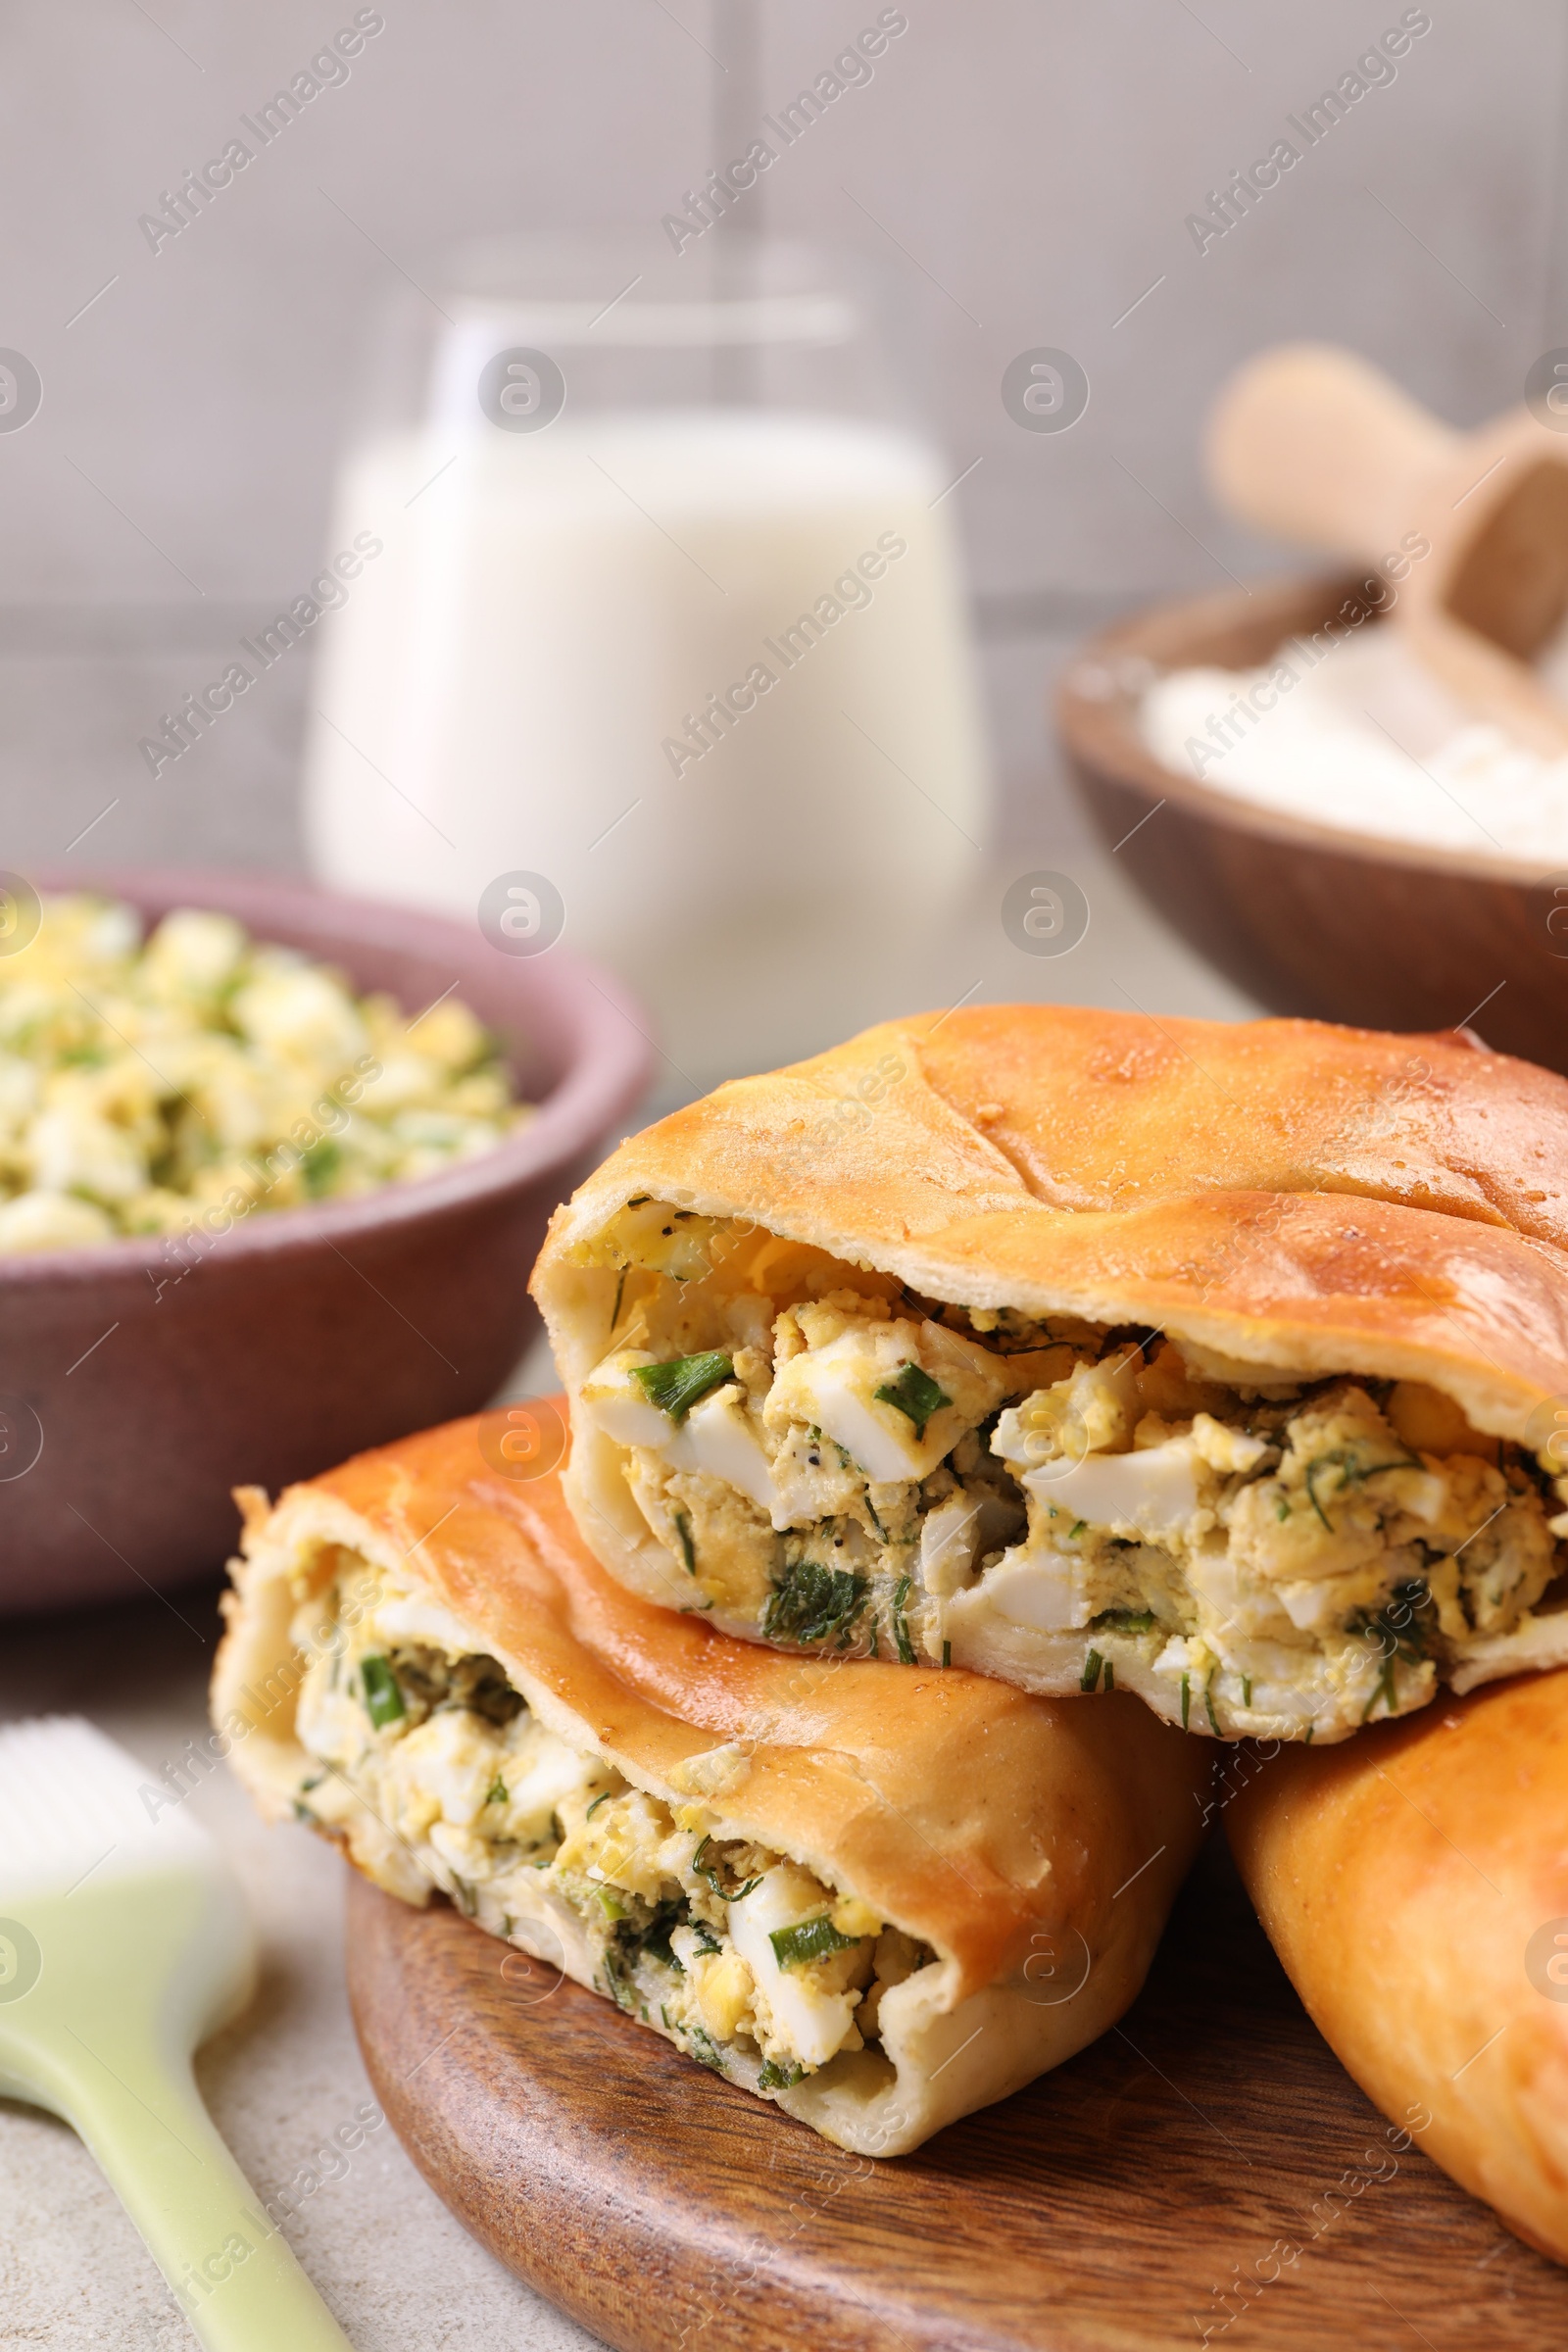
point(663, 616)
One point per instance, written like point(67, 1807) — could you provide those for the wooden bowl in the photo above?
point(133, 1396)
point(1312, 919)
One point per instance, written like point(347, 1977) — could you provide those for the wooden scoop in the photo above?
point(1310, 443)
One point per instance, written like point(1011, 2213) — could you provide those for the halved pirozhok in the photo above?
point(1220, 1363)
point(880, 1900)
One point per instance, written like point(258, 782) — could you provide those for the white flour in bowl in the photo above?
point(1354, 732)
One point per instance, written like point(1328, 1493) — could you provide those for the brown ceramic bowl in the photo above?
point(132, 1402)
point(1312, 919)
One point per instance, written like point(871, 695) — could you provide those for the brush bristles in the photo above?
point(74, 1808)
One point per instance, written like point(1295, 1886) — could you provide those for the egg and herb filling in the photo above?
point(831, 1462)
point(739, 1955)
point(146, 1085)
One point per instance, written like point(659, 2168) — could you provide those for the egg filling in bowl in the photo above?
point(145, 1084)
point(824, 1458)
point(748, 1961)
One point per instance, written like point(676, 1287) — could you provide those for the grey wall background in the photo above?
point(1026, 168)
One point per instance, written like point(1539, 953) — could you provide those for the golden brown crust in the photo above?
point(1282, 1192)
point(996, 1105)
point(1108, 1110)
point(976, 1817)
point(1410, 1881)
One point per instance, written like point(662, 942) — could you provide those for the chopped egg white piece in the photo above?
point(1241, 1604)
point(716, 1437)
point(73, 1149)
point(1031, 1585)
point(1319, 1604)
point(812, 2023)
point(616, 1405)
point(192, 952)
point(300, 1010)
point(1152, 1492)
point(833, 1388)
point(51, 1221)
point(950, 1538)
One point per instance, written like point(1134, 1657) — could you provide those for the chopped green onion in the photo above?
point(704, 2049)
point(1125, 1621)
point(1246, 1690)
point(1324, 1462)
point(1111, 1674)
point(812, 1939)
point(620, 1991)
point(496, 1793)
point(1076, 1529)
point(1351, 1472)
point(1090, 1672)
point(1214, 1719)
point(901, 1631)
point(809, 1603)
point(913, 1394)
point(683, 1530)
point(1403, 1625)
point(709, 1877)
point(1187, 1699)
point(1383, 1687)
point(653, 1942)
point(1282, 1507)
point(779, 2078)
point(947, 1653)
point(319, 1165)
point(610, 1903)
point(384, 1700)
point(614, 1312)
point(676, 1386)
point(598, 1801)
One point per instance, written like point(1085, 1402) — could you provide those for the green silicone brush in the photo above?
point(124, 1942)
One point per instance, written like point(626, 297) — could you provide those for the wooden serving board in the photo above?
point(1098, 2211)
